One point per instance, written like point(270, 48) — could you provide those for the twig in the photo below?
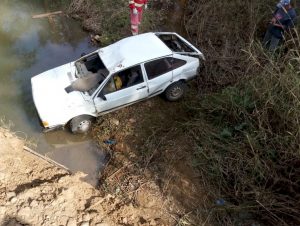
point(46, 159)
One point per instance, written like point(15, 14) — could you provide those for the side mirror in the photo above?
point(102, 96)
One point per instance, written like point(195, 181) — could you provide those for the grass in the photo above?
point(244, 117)
point(247, 141)
point(111, 19)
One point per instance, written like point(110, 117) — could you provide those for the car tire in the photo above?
point(81, 124)
point(175, 91)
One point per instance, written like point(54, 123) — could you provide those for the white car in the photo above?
point(128, 71)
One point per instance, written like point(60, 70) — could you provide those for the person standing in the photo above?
point(283, 19)
point(136, 13)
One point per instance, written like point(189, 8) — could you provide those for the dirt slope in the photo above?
point(36, 193)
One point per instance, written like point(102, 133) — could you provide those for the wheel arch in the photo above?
point(77, 115)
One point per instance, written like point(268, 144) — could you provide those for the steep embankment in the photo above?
point(34, 192)
point(236, 136)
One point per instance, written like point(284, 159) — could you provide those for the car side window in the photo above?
point(158, 67)
point(124, 79)
point(176, 63)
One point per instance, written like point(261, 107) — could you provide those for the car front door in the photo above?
point(159, 74)
point(123, 88)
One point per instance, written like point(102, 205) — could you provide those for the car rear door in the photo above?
point(159, 75)
point(123, 88)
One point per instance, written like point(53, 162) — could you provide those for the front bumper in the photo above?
point(54, 128)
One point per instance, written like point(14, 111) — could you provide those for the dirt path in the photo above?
point(34, 192)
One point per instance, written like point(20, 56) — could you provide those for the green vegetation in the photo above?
point(111, 20)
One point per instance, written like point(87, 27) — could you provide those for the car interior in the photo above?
point(91, 72)
point(175, 43)
point(91, 63)
point(124, 79)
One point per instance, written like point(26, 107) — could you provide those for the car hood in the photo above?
point(50, 97)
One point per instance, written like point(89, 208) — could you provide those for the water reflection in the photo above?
point(28, 47)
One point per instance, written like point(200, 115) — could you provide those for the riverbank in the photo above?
point(35, 192)
point(110, 20)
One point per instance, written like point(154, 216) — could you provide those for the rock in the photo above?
point(2, 210)
point(115, 121)
point(72, 222)
point(86, 223)
point(2, 176)
point(10, 195)
point(63, 220)
point(97, 38)
point(13, 200)
point(34, 203)
point(153, 222)
point(125, 220)
point(62, 180)
point(102, 224)
point(24, 213)
point(86, 217)
point(132, 120)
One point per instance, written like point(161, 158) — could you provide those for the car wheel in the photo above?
point(175, 91)
point(81, 124)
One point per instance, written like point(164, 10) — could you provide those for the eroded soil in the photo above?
point(35, 192)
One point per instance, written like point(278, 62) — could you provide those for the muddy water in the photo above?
point(28, 47)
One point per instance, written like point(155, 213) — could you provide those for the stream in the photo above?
point(28, 47)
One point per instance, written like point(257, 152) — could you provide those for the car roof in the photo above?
point(132, 51)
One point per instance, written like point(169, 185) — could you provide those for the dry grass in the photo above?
point(111, 19)
point(246, 135)
point(223, 30)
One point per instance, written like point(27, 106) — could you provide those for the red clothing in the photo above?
point(136, 19)
point(138, 4)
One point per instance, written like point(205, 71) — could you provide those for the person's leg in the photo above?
point(134, 20)
point(267, 38)
point(274, 43)
point(140, 16)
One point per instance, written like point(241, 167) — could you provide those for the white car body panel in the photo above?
point(56, 107)
point(121, 98)
point(53, 104)
point(131, 51)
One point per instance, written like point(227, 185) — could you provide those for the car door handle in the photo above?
point(143, 87)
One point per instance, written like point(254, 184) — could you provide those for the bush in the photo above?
point(247, 140)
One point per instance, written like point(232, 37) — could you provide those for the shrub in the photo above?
point(247, 140)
